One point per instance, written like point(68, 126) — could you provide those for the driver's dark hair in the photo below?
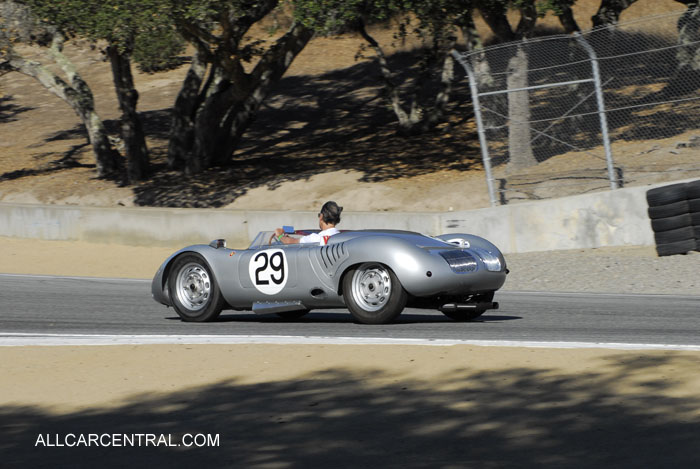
point(331, 212)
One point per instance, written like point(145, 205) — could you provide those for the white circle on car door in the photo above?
point(269, 271)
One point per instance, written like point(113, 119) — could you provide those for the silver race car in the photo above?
point(372, 273)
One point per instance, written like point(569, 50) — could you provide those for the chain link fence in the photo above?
point(610, 107)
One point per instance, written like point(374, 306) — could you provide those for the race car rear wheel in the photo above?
point(193, 289)
point(373, 293)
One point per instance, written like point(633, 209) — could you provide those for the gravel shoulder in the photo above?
point(605, 270)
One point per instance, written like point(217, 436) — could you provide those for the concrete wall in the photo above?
point(612, 218)
point(175, 227)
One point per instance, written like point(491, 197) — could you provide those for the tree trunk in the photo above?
point(269, 70)
point(528, 19)
point(609, 12)
point(688, 36)
point(567, 20)
point(218, 100)
point(416, 120)
point(188, 99)
point(405, 119)
point(519, 148)
point(473, 41)
point(436, 113)
point(80, 98)
point(494, 15)
point(137, 162)
point(232, 101)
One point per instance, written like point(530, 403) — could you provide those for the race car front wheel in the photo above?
point(373, 293)
point(193, 290)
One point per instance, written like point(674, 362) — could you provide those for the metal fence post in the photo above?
point(601, 108)
point(479, 124)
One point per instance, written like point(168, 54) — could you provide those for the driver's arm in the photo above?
point(289, 240)
point(283, 238)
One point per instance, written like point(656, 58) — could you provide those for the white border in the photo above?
point(33, 339)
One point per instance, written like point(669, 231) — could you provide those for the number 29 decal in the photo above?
point(269, 271)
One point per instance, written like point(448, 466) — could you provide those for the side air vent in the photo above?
point(461, 262)
point(332, 254)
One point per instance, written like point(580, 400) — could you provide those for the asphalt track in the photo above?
point(41, 307)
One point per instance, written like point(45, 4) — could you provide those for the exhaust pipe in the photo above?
point(479, 307)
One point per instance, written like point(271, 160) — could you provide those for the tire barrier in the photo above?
point(674, 212)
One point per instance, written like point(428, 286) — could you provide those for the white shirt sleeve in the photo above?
point(312, 238)
point(319, 237)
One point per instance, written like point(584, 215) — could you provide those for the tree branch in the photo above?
point(391, 87)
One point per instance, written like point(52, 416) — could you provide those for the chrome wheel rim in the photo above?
point(371, 287)
point(193, 286)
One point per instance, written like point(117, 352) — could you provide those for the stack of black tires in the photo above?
point(674, 211)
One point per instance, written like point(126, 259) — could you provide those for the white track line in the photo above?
point(64, 277)
point(32, 339)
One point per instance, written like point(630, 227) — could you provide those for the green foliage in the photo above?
point(334, 16)
point(159, 50)
point(144, 28)
point(555, 6)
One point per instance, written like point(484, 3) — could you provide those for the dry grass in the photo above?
point(326, 118)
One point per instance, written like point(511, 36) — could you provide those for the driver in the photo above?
point(328, 217)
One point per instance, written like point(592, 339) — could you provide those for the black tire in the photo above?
point(667, 194)
point(694, 205)
point(695, 218)
point(373, 293)
point(291, 315)
point(669, 210)
point(681, 247)
point(693, 189)
point(194, 292)
point(674, 236)
point(671, 223)
point(462, 316)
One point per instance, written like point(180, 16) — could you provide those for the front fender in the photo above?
point(159, 285)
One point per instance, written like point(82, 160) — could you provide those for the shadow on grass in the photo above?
point(64, 161)
point(341, 418)
point(338, 121)
point(9, 110)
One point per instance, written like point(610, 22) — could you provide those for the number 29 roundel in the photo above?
point(268, 271)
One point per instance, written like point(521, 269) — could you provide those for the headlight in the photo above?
point(490, 260)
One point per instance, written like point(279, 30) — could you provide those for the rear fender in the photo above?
point(409, 262)
point(469, 240)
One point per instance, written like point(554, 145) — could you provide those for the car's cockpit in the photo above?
point(268, 238)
